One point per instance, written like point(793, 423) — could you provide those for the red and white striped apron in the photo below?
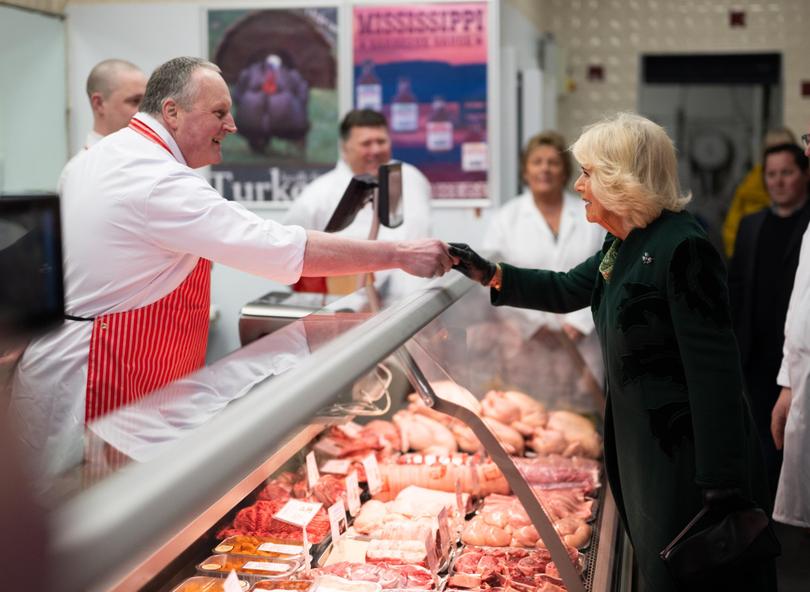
point(134, 352)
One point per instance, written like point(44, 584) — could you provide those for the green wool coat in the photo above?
point(676, 420)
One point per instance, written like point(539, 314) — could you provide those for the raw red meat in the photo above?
point(388, 576)
point(257, 520)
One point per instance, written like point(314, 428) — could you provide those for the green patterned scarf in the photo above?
point(606, 265)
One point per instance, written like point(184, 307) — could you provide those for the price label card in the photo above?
point(266, 566)
point(233, 583)
point(351, 429)
point(283, 549)
point(337, 520)
point(353, 493)
point(444, 527)
point(431, 557)
point(336, 467)
point(328, 446)
point(298, 513)
point(313, 476)
point(373, 477)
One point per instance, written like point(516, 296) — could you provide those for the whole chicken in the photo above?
point(420, 433)
point(498, 406)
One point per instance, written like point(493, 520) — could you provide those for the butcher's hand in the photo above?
point(424, 258)
point(779, 417)
point(472, 264)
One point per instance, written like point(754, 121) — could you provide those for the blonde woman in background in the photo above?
point(545, 227)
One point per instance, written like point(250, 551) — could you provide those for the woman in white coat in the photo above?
point(546, 227)
point(790, 420)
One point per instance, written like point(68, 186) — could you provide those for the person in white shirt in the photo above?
point(365, 145)
point(141, 228)
point(115, 88)
point(546, 227)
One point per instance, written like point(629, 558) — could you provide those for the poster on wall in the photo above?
point(281, 67)
point(425, 67)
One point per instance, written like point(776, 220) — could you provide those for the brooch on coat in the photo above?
point(646, 258)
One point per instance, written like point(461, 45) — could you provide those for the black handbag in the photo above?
point(712, 543)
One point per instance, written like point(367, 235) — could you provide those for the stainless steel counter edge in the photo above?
point(96, 535)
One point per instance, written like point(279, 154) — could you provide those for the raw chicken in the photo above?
point(419, 432)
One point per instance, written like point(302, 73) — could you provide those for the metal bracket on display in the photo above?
point(568, 573)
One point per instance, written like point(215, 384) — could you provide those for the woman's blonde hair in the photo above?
point(633, 168)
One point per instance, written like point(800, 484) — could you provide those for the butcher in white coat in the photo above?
point(790, 421)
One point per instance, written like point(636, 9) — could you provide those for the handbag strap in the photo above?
point(684, 532)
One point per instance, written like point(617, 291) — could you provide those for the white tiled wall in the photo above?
point(615, 33)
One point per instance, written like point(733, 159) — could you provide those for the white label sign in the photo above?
point(337, 520)
point(313, 476)
point(298, 513)
point(283, 549)
point(353, 493)
point(373, 477)
point(266, 566)
point(336, 467)
point(232, 583)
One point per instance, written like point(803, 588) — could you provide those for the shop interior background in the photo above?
point(555, 63)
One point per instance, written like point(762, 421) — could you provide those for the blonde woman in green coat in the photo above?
point(678, 431)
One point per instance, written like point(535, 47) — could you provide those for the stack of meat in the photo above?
point(502, 521)
point(355, 442)
point(327, 490)
point(388, 576)
point(559, 472)
point(479, 479)
point(257, 520)
point(521, 570)
point(568, 434)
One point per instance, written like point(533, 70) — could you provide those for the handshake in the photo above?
point(472, 264)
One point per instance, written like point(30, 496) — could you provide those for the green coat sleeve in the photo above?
point(699, 306)
point(552, 291)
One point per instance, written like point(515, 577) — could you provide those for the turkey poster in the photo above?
point(425, 67)
point(281, 67)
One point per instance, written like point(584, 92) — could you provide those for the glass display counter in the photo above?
point(166, 479)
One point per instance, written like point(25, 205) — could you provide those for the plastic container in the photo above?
point(260, 547)
point(206, 584)
point(249, 568)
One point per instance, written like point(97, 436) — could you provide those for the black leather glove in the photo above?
point(472, 264)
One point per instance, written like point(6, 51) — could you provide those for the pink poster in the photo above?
point(425, 67)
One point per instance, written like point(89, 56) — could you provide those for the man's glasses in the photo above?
point(806, 140)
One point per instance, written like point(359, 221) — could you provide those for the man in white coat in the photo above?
point(790, 419)
point(141, 228)
point(365, 145)
point(115, 89)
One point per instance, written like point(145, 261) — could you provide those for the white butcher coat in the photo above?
point(792, 504)
point(135, 221)
point(520, 235)
point(313, 209)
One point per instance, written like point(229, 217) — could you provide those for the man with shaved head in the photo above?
point(115, 89)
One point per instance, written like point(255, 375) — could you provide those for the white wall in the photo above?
point(33, 145)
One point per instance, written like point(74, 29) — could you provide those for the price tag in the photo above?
point(336, 467)
point(337, 520)
point(282, 549)
point(444, 528)
point(351, 429)
point(313, 476)
point(233, 584)
point(298, 513)
point(373, 477)
point(328, 446)
point(459, 498)
point(353, 493)
point(431, 557)
point(266, 566)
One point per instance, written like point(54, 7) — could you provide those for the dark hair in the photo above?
point(798, 155)
point(548, 138)
point(361, 118)
point(171, 81)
